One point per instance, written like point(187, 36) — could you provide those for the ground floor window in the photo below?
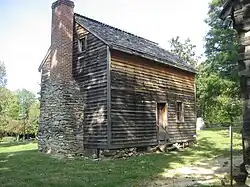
point(162, 121)
point(179, 111)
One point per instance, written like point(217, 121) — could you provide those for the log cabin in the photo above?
point(237, 13)
point(103, 88)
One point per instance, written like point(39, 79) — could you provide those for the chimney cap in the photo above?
point(65, 2)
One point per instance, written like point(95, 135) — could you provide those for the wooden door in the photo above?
point(162, 115)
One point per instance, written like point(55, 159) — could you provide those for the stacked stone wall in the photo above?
point(61, 118)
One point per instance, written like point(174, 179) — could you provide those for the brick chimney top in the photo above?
point(65, 2)
point(62, 40)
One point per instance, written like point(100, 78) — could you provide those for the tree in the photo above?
point(9, 112)
point(3, 81)
point(221, 44)
point(216, 100)
point(185, 50)
point(217, 83)
point(19, 111)
point(25, 100)
point(218, 93)
point(3, 75)
point(34, 112)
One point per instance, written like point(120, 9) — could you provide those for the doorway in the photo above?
point(162, 121)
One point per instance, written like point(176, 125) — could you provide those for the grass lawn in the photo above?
point(22, 165)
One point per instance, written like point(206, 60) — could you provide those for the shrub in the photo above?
point(8, 139)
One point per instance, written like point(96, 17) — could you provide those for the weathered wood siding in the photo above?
point(242, 26)
point(90, 72)
point(136, 87)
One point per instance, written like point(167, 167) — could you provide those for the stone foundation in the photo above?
point(61, 118)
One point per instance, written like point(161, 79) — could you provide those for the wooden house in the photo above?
point(105, 88)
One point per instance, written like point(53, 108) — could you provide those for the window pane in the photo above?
point(82, 44)
point(179, 113)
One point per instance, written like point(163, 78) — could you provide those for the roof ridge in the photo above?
point(155, 43)
point(132, 44)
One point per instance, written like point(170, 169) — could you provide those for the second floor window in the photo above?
point(82, 44)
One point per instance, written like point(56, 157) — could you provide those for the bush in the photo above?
point(8, 139)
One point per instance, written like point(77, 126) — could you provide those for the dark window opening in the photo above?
point(179, 111)
point(82, 44)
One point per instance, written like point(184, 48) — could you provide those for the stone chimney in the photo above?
point(61, 105)
point(62, 41)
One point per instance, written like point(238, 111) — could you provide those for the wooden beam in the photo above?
point(109, 97)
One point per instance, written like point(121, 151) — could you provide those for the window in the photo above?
point(162, 114)
point(179, 111)
point(82, 44)
point(162, 121)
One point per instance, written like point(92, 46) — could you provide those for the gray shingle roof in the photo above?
point(130, 43)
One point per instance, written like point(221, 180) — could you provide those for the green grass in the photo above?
point(22, 165)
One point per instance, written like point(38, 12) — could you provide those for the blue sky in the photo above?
point(25, 28)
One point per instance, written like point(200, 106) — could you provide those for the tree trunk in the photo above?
point(24, 130)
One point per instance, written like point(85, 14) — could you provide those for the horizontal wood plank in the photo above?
point(136, 87)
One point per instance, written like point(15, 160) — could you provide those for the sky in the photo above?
point(25, 28)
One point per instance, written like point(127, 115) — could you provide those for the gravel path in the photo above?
point(207, 172)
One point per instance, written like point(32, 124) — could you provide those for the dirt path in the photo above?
point(205, 173)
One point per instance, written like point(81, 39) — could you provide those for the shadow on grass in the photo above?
point(30, 168)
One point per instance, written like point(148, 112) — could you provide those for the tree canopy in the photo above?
point(217, 82)
point(219, 97)
point(19, 110)
point(218, 91)
point(185, 50)
point(3, 75)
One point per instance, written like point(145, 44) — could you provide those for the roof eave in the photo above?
point(89, 30)
point(44, 60)
point(193, 70)
point(131, 51)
